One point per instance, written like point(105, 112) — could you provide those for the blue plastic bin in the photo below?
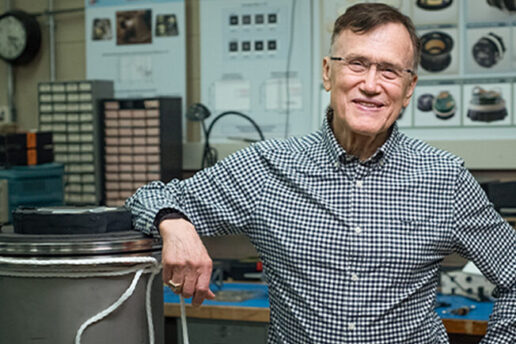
point(36, 186)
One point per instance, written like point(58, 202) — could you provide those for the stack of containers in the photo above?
point(70, 111)
point(31, 186)
point(143, 142)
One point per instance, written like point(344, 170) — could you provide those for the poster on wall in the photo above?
point(139, 44)
point(467, 77)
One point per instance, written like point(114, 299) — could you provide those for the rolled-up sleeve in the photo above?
point(218, 200)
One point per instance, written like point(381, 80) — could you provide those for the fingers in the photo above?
point(194, 283)
point(186, 264)
point(203, 289)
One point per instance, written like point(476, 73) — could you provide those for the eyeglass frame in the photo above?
point(367, 64)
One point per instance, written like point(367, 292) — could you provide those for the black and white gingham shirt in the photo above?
point(351, 249)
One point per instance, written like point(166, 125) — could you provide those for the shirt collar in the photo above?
point(339, 154)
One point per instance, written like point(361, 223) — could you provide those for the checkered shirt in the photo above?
point(351, 250)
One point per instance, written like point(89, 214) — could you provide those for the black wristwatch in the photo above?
point(168, 214)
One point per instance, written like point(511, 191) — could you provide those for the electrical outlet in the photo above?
point(5, 114)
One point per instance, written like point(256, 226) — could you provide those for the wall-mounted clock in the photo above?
point(20, 37)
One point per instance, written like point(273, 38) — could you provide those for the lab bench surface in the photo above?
point(220, 319)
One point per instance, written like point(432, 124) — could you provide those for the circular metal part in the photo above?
point(489, 50)
point(433, 5)
point(436, 49)
point(444, 105)
point(39, 273)
point(424, 102)
point(33, 245)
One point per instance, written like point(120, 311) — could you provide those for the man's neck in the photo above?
point(361, 146)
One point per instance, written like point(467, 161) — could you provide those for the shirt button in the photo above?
point(360, 183)
point(354, 277)
point(358, 230)
point(337, 164)
point(351, 326)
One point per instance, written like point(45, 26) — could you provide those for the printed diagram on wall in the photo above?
point(134, 27)
point(487, 105)
point(129, 42)
point(437, 106)
point(258, 60)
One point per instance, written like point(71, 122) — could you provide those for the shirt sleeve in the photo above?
point(485, 238)
point(218, 200)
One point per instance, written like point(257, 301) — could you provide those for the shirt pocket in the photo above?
point(412, 247)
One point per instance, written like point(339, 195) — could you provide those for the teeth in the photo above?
point(368, 104)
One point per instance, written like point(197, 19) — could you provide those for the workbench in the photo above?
point(228, 322)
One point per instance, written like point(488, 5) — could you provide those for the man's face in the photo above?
point(367, 103)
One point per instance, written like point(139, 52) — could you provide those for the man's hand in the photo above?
point(186, 262)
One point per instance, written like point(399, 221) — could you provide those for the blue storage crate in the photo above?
point(37, 185)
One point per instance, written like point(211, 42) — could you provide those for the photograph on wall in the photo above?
point(134, 27)
point(166, 25)
point(437, 106)
point(488, 50)
point(439, 51)
point(487, 104)
point(101, 29)
point(427, 12)
point(492, 11)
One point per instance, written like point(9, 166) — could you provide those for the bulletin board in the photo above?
point(257, 58)
point(139, 44)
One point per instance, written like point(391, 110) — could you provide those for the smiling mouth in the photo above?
point(372, 105)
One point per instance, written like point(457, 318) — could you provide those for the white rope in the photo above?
point(85, 261)
point(148, 307)
point(145, 265)
point(183, 320)
point(99, 316)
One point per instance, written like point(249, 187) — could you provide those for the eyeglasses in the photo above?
point(360, 66)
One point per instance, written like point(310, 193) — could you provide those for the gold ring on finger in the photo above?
point(175, 287)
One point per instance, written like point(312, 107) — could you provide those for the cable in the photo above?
point(289, 57)
point(210, 154)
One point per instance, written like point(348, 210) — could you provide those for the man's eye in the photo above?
point(389, 73)
point(357, 63)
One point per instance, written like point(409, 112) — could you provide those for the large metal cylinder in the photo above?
point(39, 309)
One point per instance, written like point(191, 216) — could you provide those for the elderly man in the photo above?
point(351, 222)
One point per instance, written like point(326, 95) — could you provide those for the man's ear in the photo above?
point(410, 90)
point(326, 73)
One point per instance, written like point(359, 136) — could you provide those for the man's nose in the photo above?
point(370, 84)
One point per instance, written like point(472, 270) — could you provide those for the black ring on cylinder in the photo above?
point(435, 53)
